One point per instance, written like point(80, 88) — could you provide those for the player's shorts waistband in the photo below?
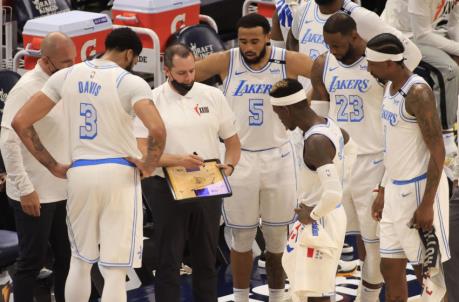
point(102, 161)
point(337, 206)
point(267, 149)
point(408, 181)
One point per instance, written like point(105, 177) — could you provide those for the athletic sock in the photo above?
point(276, 295)
point(241, 294)
point(369, 294)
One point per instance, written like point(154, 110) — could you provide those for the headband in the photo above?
point(289, 99)
point(376, 56)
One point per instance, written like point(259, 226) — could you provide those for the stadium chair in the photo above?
point(29, 9)
point(8, 253)
point(8, 79)
point(202, 40)
point(8, 248)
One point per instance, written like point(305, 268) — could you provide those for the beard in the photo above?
point(256, 59)
point(130, 66)
point(348, 55)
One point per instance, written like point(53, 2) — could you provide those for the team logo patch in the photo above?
point(200, 110)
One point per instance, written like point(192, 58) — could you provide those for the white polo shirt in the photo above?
point(194, 122)
point(24, 173)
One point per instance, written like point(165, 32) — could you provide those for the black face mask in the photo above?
point(181, 88)
point(324, 2)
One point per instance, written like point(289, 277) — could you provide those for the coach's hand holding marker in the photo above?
point(191, 161)
point(30, 204)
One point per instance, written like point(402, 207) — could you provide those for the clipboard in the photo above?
point(205, 182)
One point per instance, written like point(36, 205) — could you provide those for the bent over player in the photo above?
point(314, 247)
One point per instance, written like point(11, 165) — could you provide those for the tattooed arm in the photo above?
point(154, 144)
point(420, 102)
point(34, 110)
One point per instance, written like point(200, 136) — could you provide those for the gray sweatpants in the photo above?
point(450, 71)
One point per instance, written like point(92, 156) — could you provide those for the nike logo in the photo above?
point(240, 72)
point(332, 68)
point(375, 162)
point(289, 249)
point(274, 70)
point(405, 194)
point(308, 21)
point(284, 155)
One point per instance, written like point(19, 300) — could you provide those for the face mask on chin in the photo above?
point(324, 2)
point(181, 88)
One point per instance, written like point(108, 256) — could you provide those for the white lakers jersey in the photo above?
point(247, 92)
point(311, 23)
point(406, 155)
point(310, 187)
point(99, 126)
point(355, 102)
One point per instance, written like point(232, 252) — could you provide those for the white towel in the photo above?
point(434, 286)
point(310, 259)
point(433, 281)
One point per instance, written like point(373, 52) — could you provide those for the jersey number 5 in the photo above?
point(89, 130)
point(350, 109)
point(256, 112)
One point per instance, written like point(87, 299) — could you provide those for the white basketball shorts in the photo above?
point(401, 199)
point(264, 185)
point(104, 212)
point(359, 194)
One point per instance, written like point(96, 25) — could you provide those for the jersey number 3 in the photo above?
point(350, 109)
point(89, 130)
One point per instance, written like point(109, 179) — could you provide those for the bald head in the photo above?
point(57, 51)
point(54, 42)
